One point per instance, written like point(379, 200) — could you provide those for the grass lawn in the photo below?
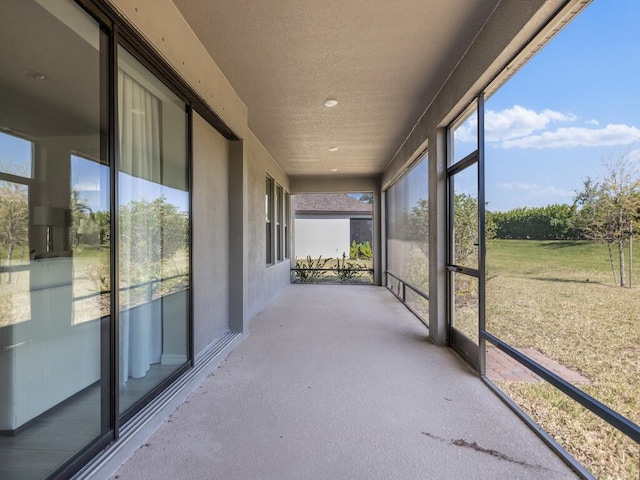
point(20, 255)
point(91, 276)
point(559, 298)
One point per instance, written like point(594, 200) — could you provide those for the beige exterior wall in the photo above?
point(210, 238)
point(328, 237)
point(330, 184)
point(263, 282)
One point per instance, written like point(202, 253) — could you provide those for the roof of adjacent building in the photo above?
point(331, 203)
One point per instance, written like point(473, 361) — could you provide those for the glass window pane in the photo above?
point(279, 226)
point(465, 136)
point(407, 204)
point(15, 298)
point(16, 155)
point(464, 315)
point(465, 214)
point(268, 204)
point(154, 225)
point(361, 235)
point(54, 318)
point(90, 239)
point(287, 220)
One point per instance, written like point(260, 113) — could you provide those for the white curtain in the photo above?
point(139, 116)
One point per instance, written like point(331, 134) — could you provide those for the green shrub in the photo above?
point(310, 271)
point(360, 251)
point(347, 270)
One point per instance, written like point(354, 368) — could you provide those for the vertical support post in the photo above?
point(630, 254)
point(438, 327)
point(238, 226)
point(109, 149)
point(379, 236)
point(482, 251)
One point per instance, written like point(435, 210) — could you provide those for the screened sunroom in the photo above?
point(150, 156)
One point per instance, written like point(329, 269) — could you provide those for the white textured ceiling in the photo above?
point(58, 105)
point(384, 61)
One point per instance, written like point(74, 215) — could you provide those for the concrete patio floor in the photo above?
point(340, 382)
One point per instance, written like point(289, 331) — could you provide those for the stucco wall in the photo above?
point(332, 184)
point(328, 237)
point(264, 282)
point(210, 238)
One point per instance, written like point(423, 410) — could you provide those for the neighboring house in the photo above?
point(327, 224)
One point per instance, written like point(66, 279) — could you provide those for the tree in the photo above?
point(81, 217)
point(465, 229)
point(466, 226)
point(366, 198)
point(151, 232)
point(418, 225)
point(104, 228)
point(553, 222)
point(608, 210)
point(14, 218)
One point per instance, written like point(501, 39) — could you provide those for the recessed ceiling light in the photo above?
point(333, 149)
point(330, 102)
point(334, 170)
point(34, 75)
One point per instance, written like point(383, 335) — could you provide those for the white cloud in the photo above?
point(518, 122)
point(510, 123)
point(535, 190)
point(86, 186)
point(520, 127)
point(610, 135)
point(467, 131)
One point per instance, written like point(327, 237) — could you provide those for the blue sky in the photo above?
point(91, 179)
point(569, 109)
point(16, 155)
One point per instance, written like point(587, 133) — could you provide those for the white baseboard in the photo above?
point(173, 359)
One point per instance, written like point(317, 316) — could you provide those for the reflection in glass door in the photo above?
point(153, 210)
point(55, 246)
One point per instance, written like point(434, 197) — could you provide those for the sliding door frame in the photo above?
point(117, 31)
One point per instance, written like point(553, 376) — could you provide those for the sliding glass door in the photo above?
point(55, 245)
point(94, 237)
point(153, 211)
